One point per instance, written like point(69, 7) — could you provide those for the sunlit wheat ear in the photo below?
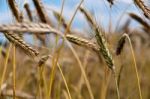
point(120, 45)
point(140, 20)
point(82, 42)
point(63, 22)
point(21, 44)
point(143, 7)
point(41, 11)
point(15, 10)
point(27, 8)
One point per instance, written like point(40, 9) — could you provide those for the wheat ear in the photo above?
point(111, 2)
point(15, 10)
point(104, 51)
point(20, 43)
point(82, 42)
point(41, 11)
point(27, 8)
point(140, 20)
point(143, 7)
point(120, 45)
point(100, 39)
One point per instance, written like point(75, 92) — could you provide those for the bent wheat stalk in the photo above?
point(135, 65)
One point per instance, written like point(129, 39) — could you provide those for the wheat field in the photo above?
point(60, 62)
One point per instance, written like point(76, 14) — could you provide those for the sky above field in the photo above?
point(99, 8)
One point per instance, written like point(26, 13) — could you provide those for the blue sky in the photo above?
point(100, 9)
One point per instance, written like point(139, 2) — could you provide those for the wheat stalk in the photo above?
point(14, 72)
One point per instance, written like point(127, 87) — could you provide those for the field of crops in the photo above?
point(45, 59)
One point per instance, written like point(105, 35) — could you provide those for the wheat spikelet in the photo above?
point(20, 43)
point(82, 42)
point(140, 20)
point(143, 7)
point(120, 45)
point(27, 8)
point(100, 39)
point(41, 13)
point(15, 10)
